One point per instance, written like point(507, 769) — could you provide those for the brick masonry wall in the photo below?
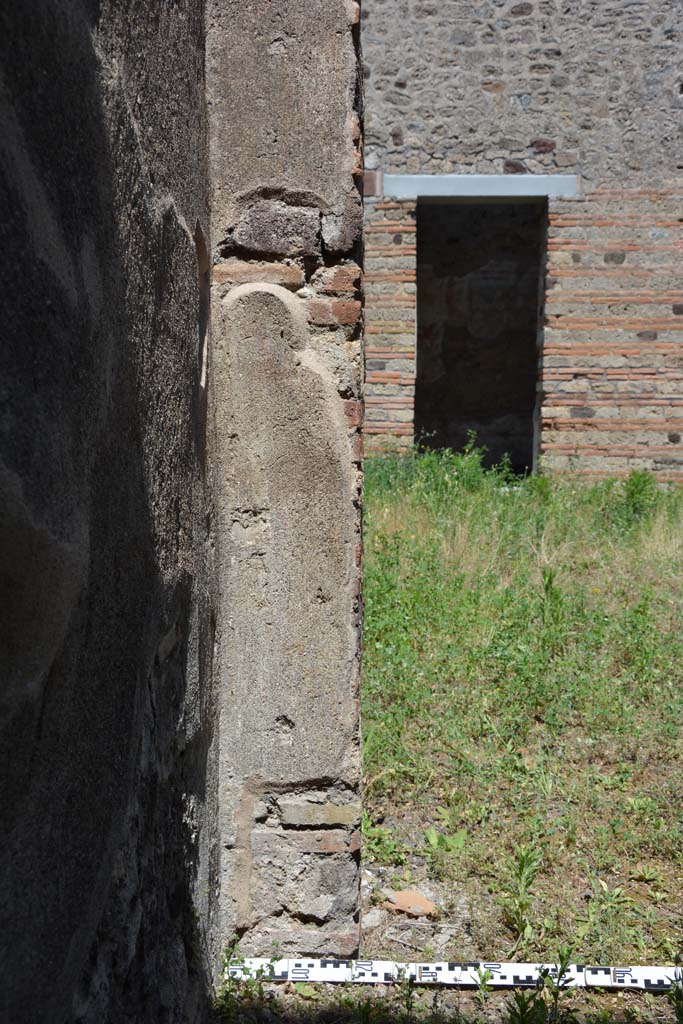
point(502, 86)
point(611, 379)
point(390, 314)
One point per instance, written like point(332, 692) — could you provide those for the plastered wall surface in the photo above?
point(106, 591)
point(589, 88)
point(286, 229)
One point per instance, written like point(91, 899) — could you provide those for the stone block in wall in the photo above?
point(303, 811)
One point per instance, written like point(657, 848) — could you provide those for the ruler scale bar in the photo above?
point(458, 974)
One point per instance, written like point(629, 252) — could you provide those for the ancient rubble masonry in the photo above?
point(531, 88)
point(286, 372)
point(610, 374)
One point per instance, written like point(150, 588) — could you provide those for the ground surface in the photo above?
point(257, 1001)
point(522, 713)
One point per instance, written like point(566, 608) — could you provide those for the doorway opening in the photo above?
point(479, 304)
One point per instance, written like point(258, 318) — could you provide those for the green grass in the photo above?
point(522, 698)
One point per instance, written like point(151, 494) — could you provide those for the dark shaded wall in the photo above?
point(105, 594)
point(479, 269)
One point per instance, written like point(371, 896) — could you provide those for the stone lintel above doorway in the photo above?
point(473, 186)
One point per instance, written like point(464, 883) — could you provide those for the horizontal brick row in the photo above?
point(387, 427)
point(607, 450)
point(601, 423)
point(389, 353)
point(407, 274)
point(581, 399)
point(605, 193)
point(388, 377)
point(385, 252)
point(644, 296)
point(565, 321)
point(629, 350)
point(606, 334)
point(583, 221)
point(389, 402)
point(381, 301)
point(387, 226)
point(395, 204)
point(624, 244)
point(612, 274)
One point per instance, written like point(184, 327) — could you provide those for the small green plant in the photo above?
point(406, 988)
point(242, 990)
point(640, 496)
point(604, 921)
point(440, 841)
point(517, 900)
point(484, 976)
point(441, 848)
point(675, 993)
point(526, 1008)
point(380, 845)
point(555, 983)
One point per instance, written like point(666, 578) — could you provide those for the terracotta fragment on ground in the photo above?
point(410, 901)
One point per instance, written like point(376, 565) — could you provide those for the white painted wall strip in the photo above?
point(481, 186)
point(456, 974)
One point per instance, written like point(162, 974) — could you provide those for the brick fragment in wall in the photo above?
point(353, 412)
point(372, 183)
point(343, 279)
point(333, 312)
point(241, 272)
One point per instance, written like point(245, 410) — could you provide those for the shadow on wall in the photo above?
point(105, 641)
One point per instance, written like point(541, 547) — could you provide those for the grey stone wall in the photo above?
point(286, 226)
point(106, 590)
point(592, 87)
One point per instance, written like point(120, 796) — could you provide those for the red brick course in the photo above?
point(613, 311)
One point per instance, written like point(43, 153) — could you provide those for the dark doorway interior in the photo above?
point(478, 308)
